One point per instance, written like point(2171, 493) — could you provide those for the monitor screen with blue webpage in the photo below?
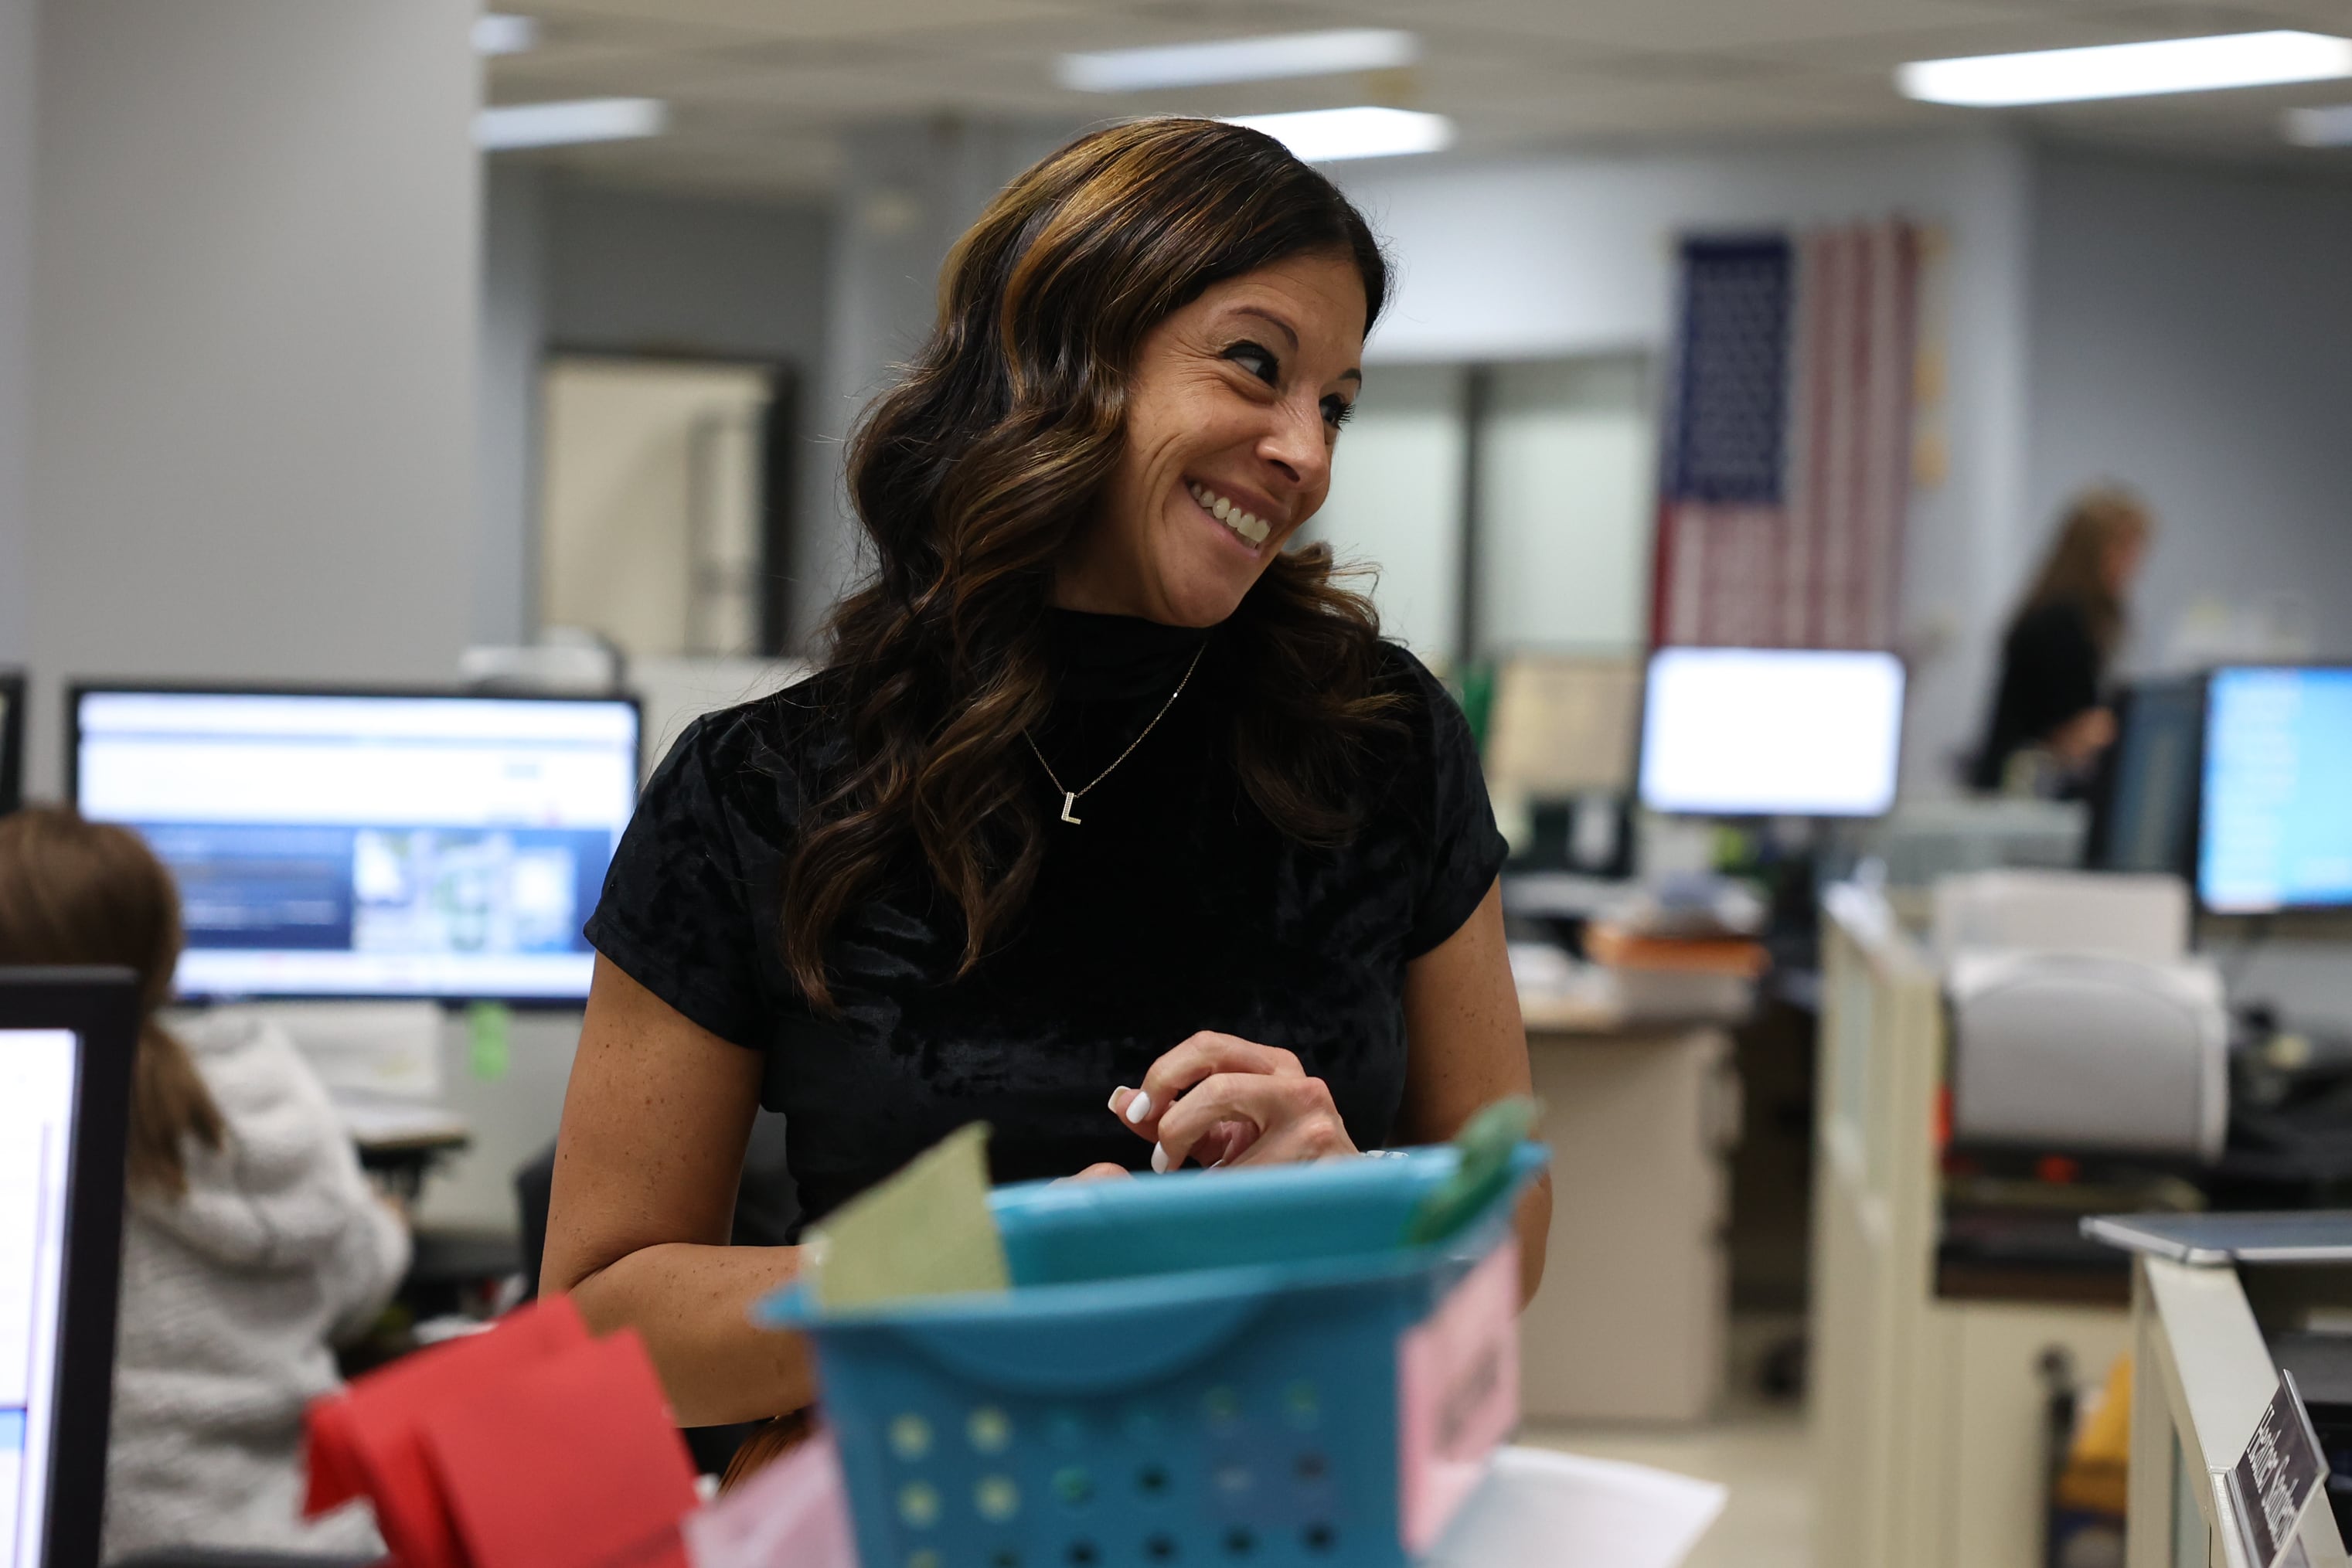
point(2274, 824)
point(369, 844)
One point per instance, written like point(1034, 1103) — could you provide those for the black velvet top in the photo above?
point(2051, 673)
point(1175, 906)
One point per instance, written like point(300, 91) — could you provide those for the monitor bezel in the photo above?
point(2204, 752)
point(14, 691)
point(102, 1006)
point(76, 690)
point(2098, 837)
point(1642, 737)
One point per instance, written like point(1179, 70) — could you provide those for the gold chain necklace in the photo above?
point(1070, 797)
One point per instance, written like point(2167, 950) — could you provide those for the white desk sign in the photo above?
point(2275, 1480)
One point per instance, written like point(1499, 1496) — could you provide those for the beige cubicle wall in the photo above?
point(1928, 1412)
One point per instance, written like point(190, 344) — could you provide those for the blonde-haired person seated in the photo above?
point(251, 1241)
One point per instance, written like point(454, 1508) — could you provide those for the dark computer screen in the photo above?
point(2275, 822)
point(2144, 810)
point(12, 741)
point(369, 844)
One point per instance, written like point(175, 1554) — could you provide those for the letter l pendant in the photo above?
point(1069, 804)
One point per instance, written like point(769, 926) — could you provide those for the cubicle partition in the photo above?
point(1929, 1412)
point(2202, 1374)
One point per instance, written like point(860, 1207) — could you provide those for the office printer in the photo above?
point(2078, 1022)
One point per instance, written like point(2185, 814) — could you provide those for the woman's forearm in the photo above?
point(691, 1306)
point(1533, 1225)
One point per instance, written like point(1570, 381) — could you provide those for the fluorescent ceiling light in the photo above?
point(2327, 127)
point(1239, 59)
point(2128, 70)
point(1328, 135)
point(572, 120)
point(498, 33)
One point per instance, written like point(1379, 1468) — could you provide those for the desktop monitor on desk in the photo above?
point(12, 741)
point(1771, 732)
point(2143, 799)
point(368, 844)
point(2274, 813)
point(65, 1042)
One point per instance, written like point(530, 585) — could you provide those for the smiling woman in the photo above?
point(1109, 820)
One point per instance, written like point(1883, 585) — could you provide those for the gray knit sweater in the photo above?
point(231, 1298)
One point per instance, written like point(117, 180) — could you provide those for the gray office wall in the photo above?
point(576, 265)
point(16, 130)
point(513, 330)
point(254, 345)
point(2192, 337)
point(1567, 255)
point(645, 273)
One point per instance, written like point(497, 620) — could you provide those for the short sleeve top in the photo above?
point(1172, 906)
point(2050, 672)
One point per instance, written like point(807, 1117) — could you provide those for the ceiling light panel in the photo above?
point(2329, 126)
point(562, 124)
point(2128, 70)
point(502, 33)
point(1329, 135)
point(1239, 59)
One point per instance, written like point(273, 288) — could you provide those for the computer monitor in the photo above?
point(1771, 732)
point(12, 741)
point(2275, 816)
point(65, 1042)
point(1563, 724)
point(2144, 797)
point(375, 844)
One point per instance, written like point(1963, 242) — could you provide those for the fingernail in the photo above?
point(1139, 1108)
point(1115, 1094)
point(1159, 1158)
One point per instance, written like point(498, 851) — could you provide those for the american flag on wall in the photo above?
point(1788, 461)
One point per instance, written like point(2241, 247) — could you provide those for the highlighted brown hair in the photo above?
point(972, 475)
point(76, 892)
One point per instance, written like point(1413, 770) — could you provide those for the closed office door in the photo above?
point(654, 503)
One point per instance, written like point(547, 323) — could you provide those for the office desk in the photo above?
point(1631, 1321)
point(399, 1139)
point(2200, 1376)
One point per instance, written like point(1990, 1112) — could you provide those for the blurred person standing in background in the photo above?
point(2049, 719)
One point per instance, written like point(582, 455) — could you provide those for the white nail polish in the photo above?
point(1159, 1158)
point(1114, 1098)
point(1139, 1108)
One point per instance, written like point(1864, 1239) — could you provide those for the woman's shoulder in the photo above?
point(745, 754)
point(1428, 706)
point(789, 727)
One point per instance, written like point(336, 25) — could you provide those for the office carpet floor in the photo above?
point(1757, 1448)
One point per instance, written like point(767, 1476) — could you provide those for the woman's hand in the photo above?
point(1223, 1100)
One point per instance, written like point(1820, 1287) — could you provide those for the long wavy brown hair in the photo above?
point(2095, 523)
point(972, 475)
point(76, 892)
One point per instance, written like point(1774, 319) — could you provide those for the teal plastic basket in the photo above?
point(1198, 1368)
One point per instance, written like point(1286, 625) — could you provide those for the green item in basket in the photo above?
point(1487, 1144)
point(926, 1232)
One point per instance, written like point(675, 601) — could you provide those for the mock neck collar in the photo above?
point(1095, 657)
